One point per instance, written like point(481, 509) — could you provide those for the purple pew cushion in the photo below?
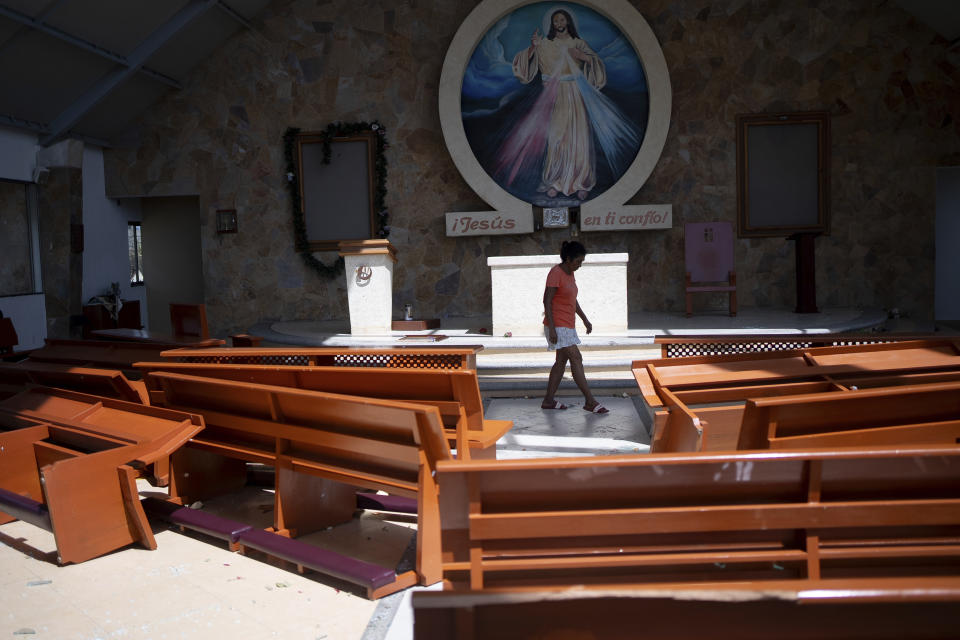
point(26, 509)
point(377, 502)
point(197, 520)
point(329, 562)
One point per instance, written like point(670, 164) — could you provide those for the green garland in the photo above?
point(335, 130)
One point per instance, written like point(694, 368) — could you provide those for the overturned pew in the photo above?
point(699, 402)
point(69, 464)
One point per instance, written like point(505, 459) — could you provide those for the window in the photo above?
point(135, 252)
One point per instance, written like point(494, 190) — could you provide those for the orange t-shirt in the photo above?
point(565, 300)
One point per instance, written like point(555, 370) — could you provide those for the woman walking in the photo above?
point(560, 309)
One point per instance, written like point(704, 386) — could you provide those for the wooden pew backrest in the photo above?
point(416, 385)
point(419, 357)
point(366, 442)
point(703, 518)
point(97, 353)
point(910, 414)
point(836, 610)
point(111, 383)
point(455, 392)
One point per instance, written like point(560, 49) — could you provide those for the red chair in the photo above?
point(189, 320)
point(708, 254)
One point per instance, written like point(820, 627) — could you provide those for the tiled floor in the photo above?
point(187, 588)
point(538, 432)
point(193, 587)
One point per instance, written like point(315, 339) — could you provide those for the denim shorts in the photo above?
point(566, 337)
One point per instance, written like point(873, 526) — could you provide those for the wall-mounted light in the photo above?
point(40, 174)
point(226, 220)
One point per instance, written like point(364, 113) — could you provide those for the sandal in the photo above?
point(597, 408)
point(556, 405)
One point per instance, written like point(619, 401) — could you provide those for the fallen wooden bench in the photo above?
point(130, 421)
point(731, 377)
point(908, 414)
point(322, 445)
point(110, 383)
point(701, 521)
point(69, 464)
point(455, 392)
point(413, 357)
point(699, 401)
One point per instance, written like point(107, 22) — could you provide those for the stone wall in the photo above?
point(889, 82)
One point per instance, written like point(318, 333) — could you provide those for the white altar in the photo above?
point(517, 293)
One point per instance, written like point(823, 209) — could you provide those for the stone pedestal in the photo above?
point(369, 271)
point(517, 293)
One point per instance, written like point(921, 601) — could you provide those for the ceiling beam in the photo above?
point(20, 123)
point(233, 13)
point(23, 30)
point(38, 24)
point(62, 123)
point(42, 129)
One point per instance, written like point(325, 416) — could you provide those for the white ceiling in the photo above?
point(941, 15)
point(87, 68)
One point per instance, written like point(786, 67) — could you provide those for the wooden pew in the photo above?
point(699, 401)
point(712, 345)
point(98, 353)
point(873, 610)
point(913, 414)
point(105, 413)
point(735, 377)
point(110, 383)
point(322, 445)
point(786, 519)
point(69, 464)
point(413, 357)
point(455, 392)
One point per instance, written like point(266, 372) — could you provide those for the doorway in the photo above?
point(172, 257)
point(947, 234)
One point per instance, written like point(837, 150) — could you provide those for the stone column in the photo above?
point(369, 270)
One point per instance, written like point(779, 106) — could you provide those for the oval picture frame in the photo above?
point(632, 24)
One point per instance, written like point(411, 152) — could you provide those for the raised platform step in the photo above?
point(643, 329)
point(517, 365)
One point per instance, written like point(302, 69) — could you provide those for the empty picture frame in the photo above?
point(783, 173)
point(337, 198)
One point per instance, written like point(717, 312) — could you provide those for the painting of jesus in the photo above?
point(554, 103)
